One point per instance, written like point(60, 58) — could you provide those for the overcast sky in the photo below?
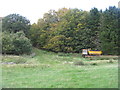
point(34, 9)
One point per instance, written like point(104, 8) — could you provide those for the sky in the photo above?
point(34, 9)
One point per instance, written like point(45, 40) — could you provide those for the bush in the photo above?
point(94, 63)
point(15, 43)
point(7, 43)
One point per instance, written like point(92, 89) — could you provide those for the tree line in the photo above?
point(69, 30)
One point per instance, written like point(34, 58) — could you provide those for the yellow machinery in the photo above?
point(86, 52)
point(94, 52)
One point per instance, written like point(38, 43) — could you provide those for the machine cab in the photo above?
point(84, 51)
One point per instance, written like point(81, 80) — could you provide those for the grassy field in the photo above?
point(58, 70)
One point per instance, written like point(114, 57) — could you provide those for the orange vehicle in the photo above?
point(89, 52)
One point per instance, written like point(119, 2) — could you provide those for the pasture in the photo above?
point(58, 70)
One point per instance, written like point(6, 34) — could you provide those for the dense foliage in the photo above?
point(0, 34)
point(14, 37)
point(66, 30)
point(110, 29)
point(70, 30)
point(15, 43)
point(15, 23)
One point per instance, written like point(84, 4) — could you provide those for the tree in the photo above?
point(93, 28)
point(74, 28)
point(0, 34)
point(15, 30)
point(34, 34)
point(118, 31)
point(71, 30)
point(109, 30)
point(14, 23)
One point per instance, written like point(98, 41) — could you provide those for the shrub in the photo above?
point(7, 43)
point(15, 43)
point(94, 63)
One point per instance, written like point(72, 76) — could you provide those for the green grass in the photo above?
point(51, 70)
